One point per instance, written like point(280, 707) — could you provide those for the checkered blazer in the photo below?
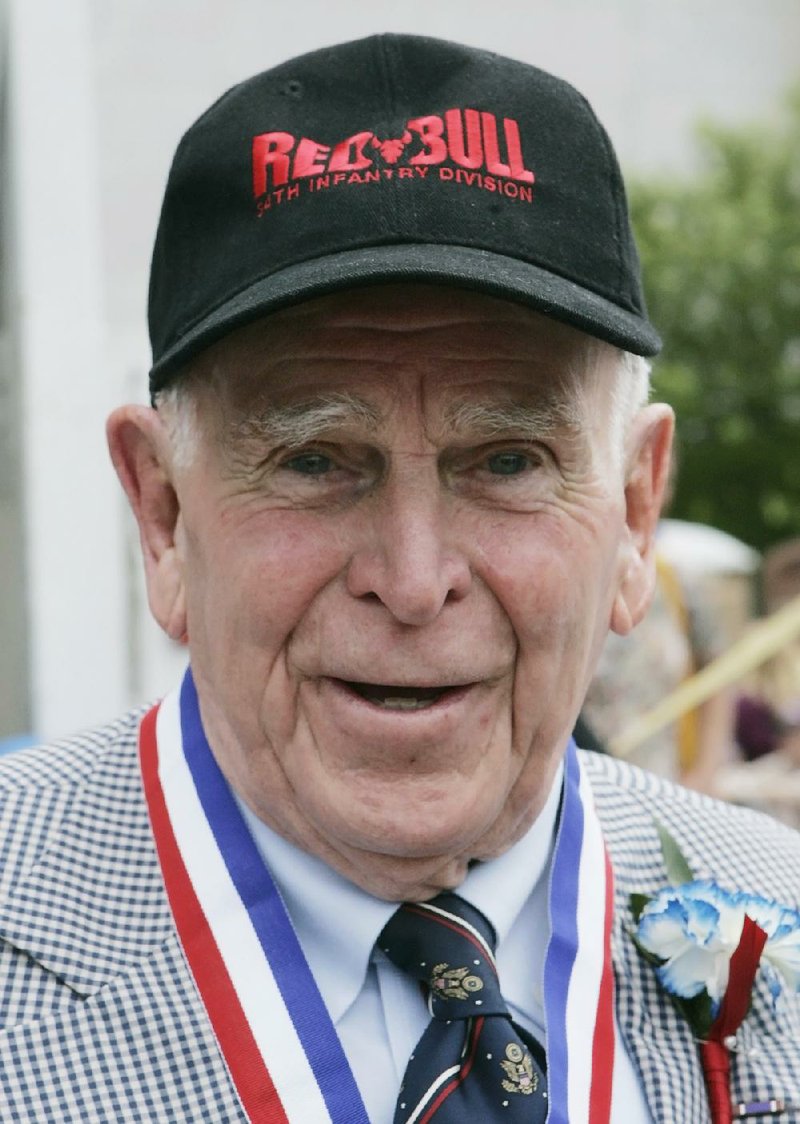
point(100, 1021)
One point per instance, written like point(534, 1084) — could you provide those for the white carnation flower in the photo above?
point(694, 929)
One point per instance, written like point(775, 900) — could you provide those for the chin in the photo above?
point(408, 831)
point(402, 878)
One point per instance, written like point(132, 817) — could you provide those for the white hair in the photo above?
point(629, 394)
point(177, 407)
point(293, 427)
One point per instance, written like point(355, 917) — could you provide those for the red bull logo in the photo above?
point(392, 150)
point(466, 146)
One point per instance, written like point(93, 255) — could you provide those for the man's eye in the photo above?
point(508, 463)
point(309, 464)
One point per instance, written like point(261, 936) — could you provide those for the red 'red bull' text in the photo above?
point(468, 139)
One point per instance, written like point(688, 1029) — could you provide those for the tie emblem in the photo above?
point(520, 1074)
point(454, 983)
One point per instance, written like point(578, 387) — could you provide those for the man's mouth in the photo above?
point(392, 697)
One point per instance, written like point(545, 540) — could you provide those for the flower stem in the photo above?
point(717, 1071)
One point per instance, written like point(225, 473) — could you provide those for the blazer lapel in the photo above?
point(127, 1038)
point(137, 1049)
point(93, 902)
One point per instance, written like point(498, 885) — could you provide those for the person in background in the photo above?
point(679, 634)
point(768, 713)
point(767, 728)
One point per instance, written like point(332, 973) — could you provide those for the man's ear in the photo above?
point(139, 448)
point(647, 473)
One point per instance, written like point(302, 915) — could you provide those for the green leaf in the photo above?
point(697, 1012)
point(638, 902)
point(678, 870)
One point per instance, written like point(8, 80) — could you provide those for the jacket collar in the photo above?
point(91, 902)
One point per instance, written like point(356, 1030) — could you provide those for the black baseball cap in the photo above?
point(393, 158)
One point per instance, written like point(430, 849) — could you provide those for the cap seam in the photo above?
point(393, 48)
point(383, 51)
point(616, 191)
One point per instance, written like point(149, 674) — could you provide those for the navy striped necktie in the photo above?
point(472, 1064)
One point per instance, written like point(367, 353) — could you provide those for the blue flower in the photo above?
point(694, 930)
point(691, 930)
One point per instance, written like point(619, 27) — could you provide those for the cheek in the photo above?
point(553, 578)
point(258, 576)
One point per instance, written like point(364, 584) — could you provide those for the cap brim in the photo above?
point(462, 267)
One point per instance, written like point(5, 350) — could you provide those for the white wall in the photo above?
point(111, 85)
point(75, 581)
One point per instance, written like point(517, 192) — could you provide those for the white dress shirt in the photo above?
point(378, 1011)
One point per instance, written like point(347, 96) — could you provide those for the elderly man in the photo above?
point(400, 480)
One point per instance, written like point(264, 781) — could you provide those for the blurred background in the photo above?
point(703, 105)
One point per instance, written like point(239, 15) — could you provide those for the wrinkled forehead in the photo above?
point(452, 342)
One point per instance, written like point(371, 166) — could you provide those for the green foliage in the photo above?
point(721, 258)
point(678, 870)
point(637, 903)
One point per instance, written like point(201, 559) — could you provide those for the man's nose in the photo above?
point(408, 560)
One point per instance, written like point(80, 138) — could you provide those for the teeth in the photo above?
point(390, 703)
point(395, 697)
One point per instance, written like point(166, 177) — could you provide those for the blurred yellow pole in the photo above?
point(759, 644)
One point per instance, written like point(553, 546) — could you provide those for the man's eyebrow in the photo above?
point(297, 423)
point(537, 419)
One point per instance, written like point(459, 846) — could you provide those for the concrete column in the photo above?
point(73, 547)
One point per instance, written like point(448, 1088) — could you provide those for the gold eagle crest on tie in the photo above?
point(454, 983)
point(520, 1075)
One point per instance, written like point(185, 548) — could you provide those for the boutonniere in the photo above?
point(706, 945)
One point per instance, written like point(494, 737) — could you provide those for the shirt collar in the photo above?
point(337, 923)
point(500, 888)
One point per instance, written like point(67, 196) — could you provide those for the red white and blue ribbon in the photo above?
point(274, 1031)
point(578, 973)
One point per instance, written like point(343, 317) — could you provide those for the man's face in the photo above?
point(396, 553)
